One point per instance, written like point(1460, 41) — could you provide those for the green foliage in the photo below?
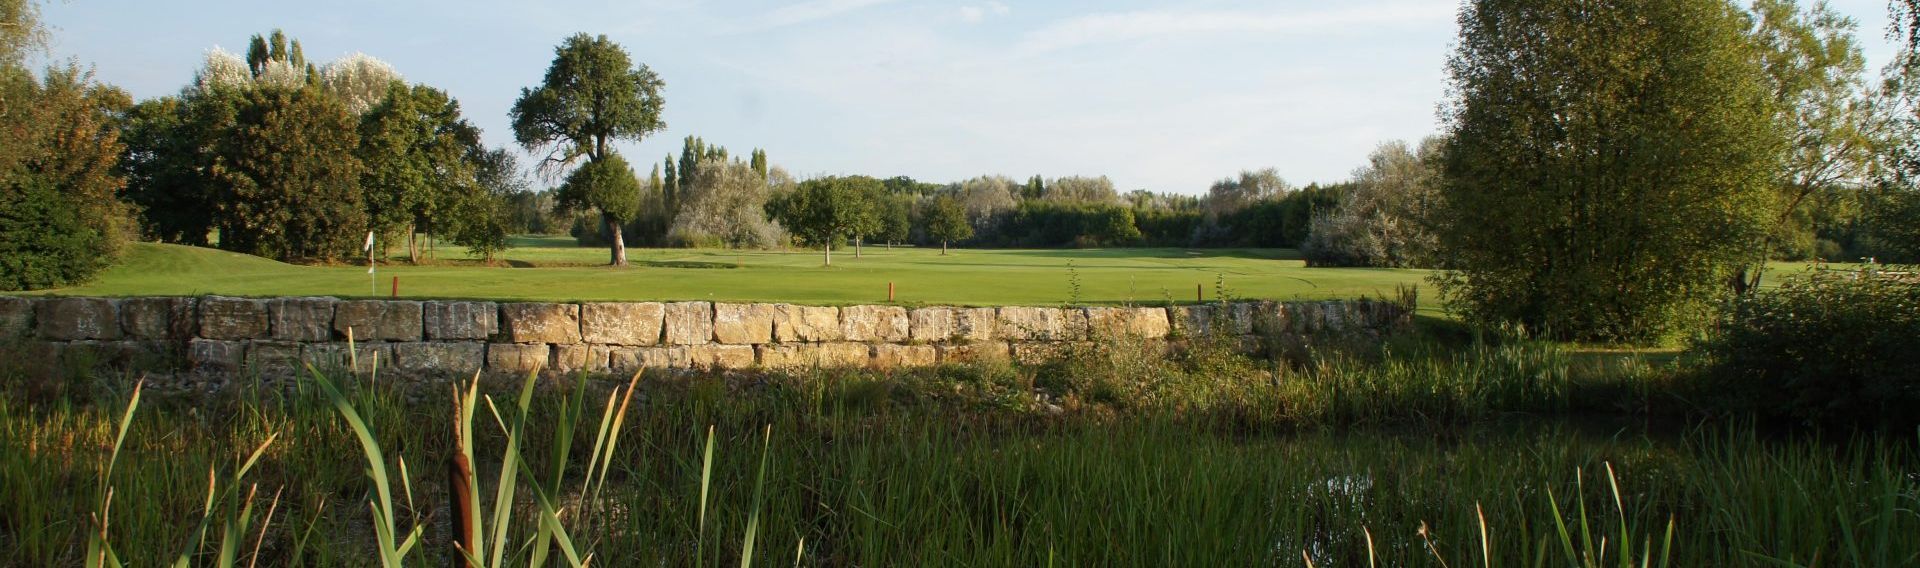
point(1381, 219)
point(1610, 164)
point(822, 212)
point(60, 220)
point(419, 155)
point(290, 184)
point(607, 185)
point(1830, 347)
point(1070, 224)
point(165, 168)
point(483, 217)
point(592, 95)
point(946, 221)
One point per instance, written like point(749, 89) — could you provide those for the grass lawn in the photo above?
point(553, 269)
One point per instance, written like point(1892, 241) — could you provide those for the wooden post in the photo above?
point(889, 292)
point(396, 287)
point(1199, 293)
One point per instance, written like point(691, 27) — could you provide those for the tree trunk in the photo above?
point(413, 247)
point(856, 247)
point(826, 252)
point(943, 247)
point(619, 242)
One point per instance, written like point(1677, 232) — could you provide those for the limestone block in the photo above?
point(332, 356)
point(975, 352)
point(622, 324)
point(453, 357)
point(569, 358)
point(937, 324)
point(379, 320)
point(1036, 324)
point(812, 355)
point(805, 323)
point(1235, 318)
point(16, 317)
point(891, 356)
point(721, 356)
point(743, 324)
point(233, 318)
point(516, 357)
point(1147, 323)
point(874, 323)
point(689, 323)
point(153, 318)
point(210, 355)
point(302, 319)
point(274, 357)
point(541, 323)
point(69, 319)
point(630, 359)
point(461, 320)
point(975, 324)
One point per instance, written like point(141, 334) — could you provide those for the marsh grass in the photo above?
point(1411, 455)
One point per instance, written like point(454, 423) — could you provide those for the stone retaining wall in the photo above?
point(215, 334)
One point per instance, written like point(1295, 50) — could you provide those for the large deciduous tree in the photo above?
point(593, 96)
point(947, 221)
point(420, 158)
point(289, 179)
point(1611, 163)
point(825, 211)
point(1381, 220)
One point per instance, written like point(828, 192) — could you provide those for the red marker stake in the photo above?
point(889, 291)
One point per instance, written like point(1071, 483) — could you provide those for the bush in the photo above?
point(1834, 347)
point(59, 220)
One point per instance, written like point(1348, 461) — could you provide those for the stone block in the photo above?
point(981, 352)
point(812, 355)
point(233, 318)
point(568, 358)
point(449, 357)
point(158, 318)
point(301, 319)
point(274, 357)
point(975, 324)
point(461, 320)
point(743, 324)
point(689, 323)
point(142, 355)
point(1148, 323)
point(1232, 319)
point(1041, 352)
point(874, 323)
point(379, 320)
point(331, 356)
point(937, 324)
point(541, 322)
point(1038, 324)
point(891, 356)
point(630, 359)
point(811, 324)
point(212, 355)
point(622, 324)
point(516, 358)
point(721, 356)
point(70, 319)
point(16, 317)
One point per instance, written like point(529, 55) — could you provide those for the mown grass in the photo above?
point(1119, 456)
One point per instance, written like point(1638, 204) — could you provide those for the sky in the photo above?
point(1166, 96)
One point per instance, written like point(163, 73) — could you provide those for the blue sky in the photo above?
point(1165, 96)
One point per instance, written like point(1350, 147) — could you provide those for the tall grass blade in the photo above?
point(759, 490)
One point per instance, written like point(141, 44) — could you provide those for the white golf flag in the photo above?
point(369, 245)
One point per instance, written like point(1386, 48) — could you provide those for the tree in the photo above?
point(360, 81)
point(727, 207)
point(1075, 189)
point(59, 218)
point(824, 211)
point(867, 216)
point(947, 221)
point(896, 218)
point(1381, 221)
point(289, 184)
point(483, 217)
point(165, 169)
point(419, 156)
point(1610, 164)
point(1814, 74)
point(592, 96)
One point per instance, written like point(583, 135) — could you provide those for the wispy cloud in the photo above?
point(974, 14)
point(1133, 26)
point(812, 10)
